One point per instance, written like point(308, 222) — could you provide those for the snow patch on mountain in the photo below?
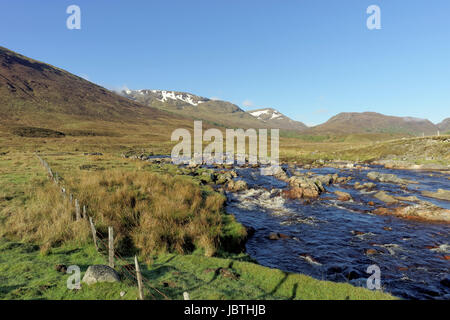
point(266, 114)
point(164, 95)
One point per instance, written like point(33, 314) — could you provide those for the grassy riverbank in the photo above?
point(29, 250)
point(28, 274)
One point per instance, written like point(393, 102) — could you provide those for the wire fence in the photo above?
point(124, 264)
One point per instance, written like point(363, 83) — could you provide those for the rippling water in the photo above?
point(329, 238)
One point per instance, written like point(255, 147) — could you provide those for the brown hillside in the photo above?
point(37, 94)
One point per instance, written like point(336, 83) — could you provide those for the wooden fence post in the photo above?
point(71, 198)
point(84, 212)
point(111, 246)
point(77, 210)
point(93, 233)
point(139, 279)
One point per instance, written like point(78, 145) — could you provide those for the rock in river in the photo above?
point(343, 196)
point(237, 185)
point(383, 196)
point(303, 187)
point(387, 177)
point(441, 194)
point(422, 211)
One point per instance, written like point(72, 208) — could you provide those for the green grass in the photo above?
point(27, 274)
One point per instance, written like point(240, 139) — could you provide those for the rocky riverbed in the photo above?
point(348, 220)
point(333, 222)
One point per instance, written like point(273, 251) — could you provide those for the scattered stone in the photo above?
point(122, 293)
point(383, 196)
point(441, 194)
point(343, 196)
point(409, 199)
point(278, 236)
point(367, 185)
point(224, 178)
point(422, 211)
point(371, 252)
point(276, 171)
point(237, 185)
point(388, 177)
point(310, 259)
point(100, 273)
point(387, 228)
point(343, 179)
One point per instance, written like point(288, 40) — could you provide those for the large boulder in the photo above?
point(303, 187)
point(100, 273)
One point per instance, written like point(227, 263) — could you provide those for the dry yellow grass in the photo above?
point(46, 219)
point(150, 212)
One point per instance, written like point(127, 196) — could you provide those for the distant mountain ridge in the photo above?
point(276, 119)
point(35, 93)
point(444, 126)
point(216, 112)
point(373, 122)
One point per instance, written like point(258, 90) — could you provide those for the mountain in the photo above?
point(372, 122)
point(34, 93)
point(215, 112)
point(276, 119)
point(444, 126)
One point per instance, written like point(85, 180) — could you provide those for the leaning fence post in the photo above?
point(139, 279)
point(93, 233)
point(111, 247)
point(77, 210)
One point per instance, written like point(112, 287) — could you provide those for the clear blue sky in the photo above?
point(309, 59)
